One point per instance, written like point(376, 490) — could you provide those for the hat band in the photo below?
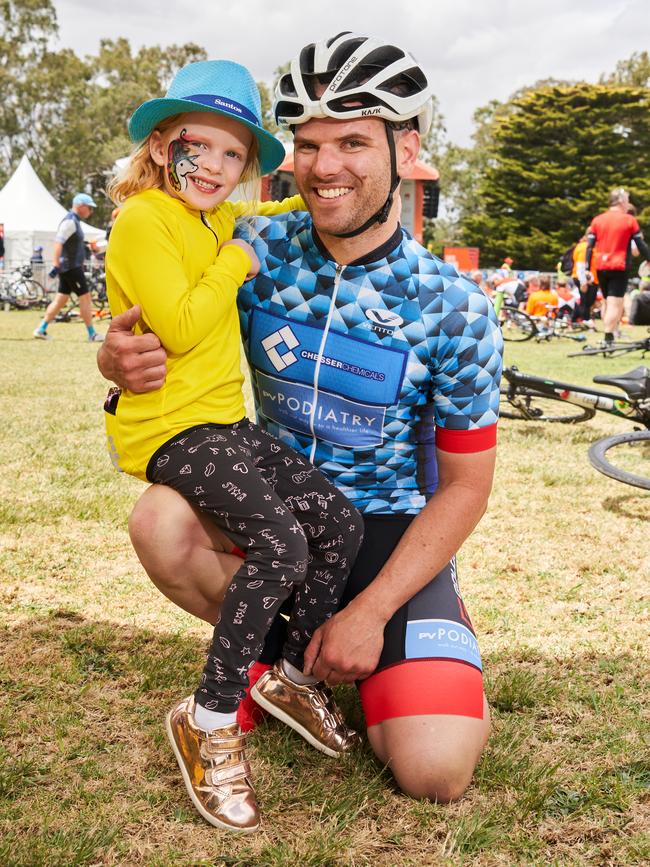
point(229, 106)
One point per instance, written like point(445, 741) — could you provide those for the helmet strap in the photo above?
point(382, 214)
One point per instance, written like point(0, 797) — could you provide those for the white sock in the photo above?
point(296, 675)
point(210, 719)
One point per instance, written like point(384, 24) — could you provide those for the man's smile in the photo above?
point(332, 192)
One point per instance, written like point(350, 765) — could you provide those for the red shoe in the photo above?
point(249, 713)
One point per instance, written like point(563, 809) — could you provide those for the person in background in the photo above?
point(69, 259)
point(541, 298)
point(513, 288)
point(612, 231)
point(477, 277)
point(640, 306)
point(568, 297)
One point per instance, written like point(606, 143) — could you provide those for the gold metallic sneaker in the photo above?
point(310, 710)
point(214, 768)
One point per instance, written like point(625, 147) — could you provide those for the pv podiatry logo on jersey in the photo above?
point(285, 339)
point(384, 322)
point(338, 387)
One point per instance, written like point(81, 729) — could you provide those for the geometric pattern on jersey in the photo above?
point(356, 366)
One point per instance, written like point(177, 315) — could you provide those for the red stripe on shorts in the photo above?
point(419, 687)
point(466, 441)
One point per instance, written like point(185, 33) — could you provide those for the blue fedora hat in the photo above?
point(217, 86)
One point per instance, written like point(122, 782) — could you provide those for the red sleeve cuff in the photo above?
point(466, 441)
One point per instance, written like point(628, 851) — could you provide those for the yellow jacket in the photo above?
point(162, 256)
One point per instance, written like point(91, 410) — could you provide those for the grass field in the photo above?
point(556, 580)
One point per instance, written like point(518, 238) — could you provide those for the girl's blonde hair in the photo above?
point(142, 173)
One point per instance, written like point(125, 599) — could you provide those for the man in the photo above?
point(541, 297)
point(360, 342)
point(612, 231)
point(513, 288)
point(69, 257)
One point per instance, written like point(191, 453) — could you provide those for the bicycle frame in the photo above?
point(613, 403)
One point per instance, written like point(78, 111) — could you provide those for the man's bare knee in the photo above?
point(163, 530)
point(432, 757)
point(437, 780)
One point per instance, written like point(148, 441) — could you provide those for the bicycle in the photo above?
point(533, 398)
point(615, 348)
point(20, 290)
point(551, 325)
point(515, 324)
point(96, 281)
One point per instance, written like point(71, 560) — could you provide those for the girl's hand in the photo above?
point(255, 262)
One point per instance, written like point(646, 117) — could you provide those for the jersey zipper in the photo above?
point(206, 223)
point(321, 350)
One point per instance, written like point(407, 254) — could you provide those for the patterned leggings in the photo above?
point(296, 528)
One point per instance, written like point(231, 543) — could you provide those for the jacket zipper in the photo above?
point(321, 350)
point(206, 223)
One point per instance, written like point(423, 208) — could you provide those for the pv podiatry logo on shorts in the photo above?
point(275, 342)
point(384, 322)
point(441, 639)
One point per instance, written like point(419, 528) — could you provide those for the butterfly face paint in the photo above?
point(182, 156)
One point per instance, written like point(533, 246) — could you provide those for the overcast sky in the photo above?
point(472, 50)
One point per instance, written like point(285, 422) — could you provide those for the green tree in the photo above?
point(548, 158)
point(25, 28)
point(635, 70)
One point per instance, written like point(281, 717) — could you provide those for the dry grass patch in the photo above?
point(92, 656)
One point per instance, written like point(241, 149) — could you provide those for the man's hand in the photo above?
point(347, 647)
point(137, 362)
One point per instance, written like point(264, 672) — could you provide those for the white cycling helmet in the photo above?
point(359, 76)
point(363, 77)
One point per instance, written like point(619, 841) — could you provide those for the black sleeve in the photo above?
point(641, 245)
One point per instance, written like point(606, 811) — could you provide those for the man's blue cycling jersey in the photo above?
point(366, 368)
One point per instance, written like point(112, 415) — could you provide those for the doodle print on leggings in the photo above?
point(299, 535)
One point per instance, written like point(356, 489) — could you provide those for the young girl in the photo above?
point(172, 252)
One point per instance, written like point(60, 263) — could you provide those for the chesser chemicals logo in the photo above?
point(384, 322)
point(272, 341)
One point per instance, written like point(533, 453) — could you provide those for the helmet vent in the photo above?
point(343, 53)
point(405, 83)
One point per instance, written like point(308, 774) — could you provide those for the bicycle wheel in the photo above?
point(624, 457)
point(516, 325)
point(19, 294)
point(529, 405)
point(35, 293)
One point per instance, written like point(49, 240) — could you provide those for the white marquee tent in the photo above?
point(30, 216)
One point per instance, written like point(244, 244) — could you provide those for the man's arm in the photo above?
point(56, 254)
point(348, 646)
point(137, 362)
point(641, 245)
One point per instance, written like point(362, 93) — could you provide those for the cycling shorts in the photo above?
point(73, 280)
point(613, 284)
point(430, 663)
